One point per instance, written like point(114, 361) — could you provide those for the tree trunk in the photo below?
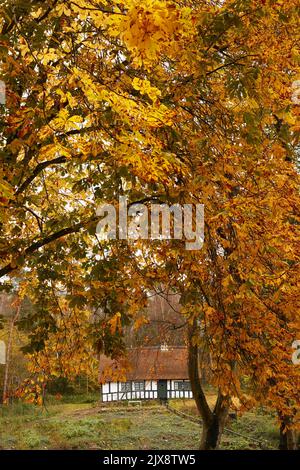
point(211, 435)
point(8, 353)
point(213, 421)
point(288, 438)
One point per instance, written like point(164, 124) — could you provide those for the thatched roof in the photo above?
point(146, 364)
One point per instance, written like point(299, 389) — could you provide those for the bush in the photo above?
point(34, 440)
point(19, 408)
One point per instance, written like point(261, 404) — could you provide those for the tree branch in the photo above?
point(40, 167)
point(193, 366)
point(45, 241)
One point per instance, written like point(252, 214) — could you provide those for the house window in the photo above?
point(182, 385)
point(126, 387)
point(138, 386)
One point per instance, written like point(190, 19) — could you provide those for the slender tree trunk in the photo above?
point(213, 421)
point(8, 353)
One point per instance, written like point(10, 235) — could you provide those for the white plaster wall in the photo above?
point(154, 384)
point(148, 385)
point(118, 395)
point(113, 387)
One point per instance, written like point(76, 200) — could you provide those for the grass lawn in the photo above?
point(86, 426)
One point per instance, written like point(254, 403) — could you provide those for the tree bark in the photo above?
point(213, 421)
point(8, 353)
point(288, 437)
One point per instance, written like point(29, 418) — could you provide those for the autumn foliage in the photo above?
point(176, 102)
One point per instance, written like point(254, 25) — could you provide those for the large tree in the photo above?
point(160, 101)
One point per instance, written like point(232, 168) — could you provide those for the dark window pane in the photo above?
point(181, 385)
point(126, 387)
point(138, 386)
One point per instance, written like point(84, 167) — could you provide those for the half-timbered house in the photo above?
point(153, 373)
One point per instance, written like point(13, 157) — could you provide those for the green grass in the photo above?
point(80, 426)
point(93, 397)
